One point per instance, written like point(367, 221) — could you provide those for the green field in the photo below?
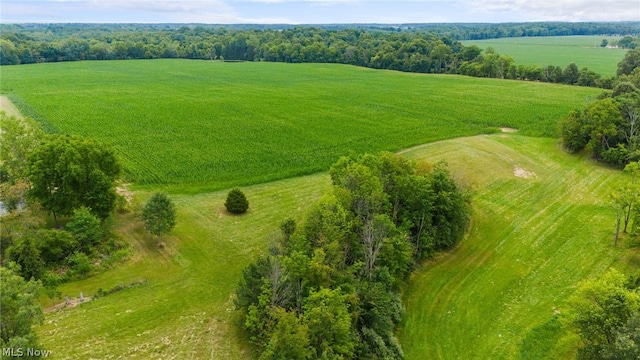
point(541, 222)
point(185, 309)
point(534, 237)
point(210, 125)
point(584, 51)
point(531, 241)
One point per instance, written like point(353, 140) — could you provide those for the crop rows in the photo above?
point(212, 125)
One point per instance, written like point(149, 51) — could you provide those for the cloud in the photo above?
point(317, 11)
point(145, 11)
point(562, 10)
point(149, 6)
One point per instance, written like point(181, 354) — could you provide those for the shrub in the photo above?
point(85, 227)
point(236, 202)
point(80, 263)
point(55, 245)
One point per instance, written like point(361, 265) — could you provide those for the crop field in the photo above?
point(194, 126)
point(541, 224)
point(584, 51)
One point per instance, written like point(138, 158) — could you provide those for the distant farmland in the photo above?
point(200, 125)
point(584, 51)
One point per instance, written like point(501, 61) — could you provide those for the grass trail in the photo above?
point(9, 108)
point(532, 240)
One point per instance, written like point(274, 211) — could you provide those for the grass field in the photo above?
point(531, 241)
point(542, 223)
point(197, 125)
point(184, 311)
point(584, 51)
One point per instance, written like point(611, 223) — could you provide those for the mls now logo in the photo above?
point(20, 352)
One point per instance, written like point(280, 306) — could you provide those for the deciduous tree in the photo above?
point(601, 307)
point(159, 214)
point(67, 172)
point(20, 310)
point(85, 228)
point(630, 62)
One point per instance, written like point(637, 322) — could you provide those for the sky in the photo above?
point(314, 11)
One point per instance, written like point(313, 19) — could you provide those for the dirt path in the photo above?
point(73, 302)
point(7, 106)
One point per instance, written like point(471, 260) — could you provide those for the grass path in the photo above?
point(532, 240)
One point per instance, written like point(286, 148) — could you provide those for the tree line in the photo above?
point(73, 179)
point(608, 127)
point(330, 286)
point(456, 31)
point(605, 311)
point(69, 177)
point(418, 49)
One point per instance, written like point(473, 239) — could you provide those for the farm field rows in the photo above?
point(584, 51)
point(192, 126)
point(531, 241)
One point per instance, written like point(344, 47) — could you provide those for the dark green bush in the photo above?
point(236, 202)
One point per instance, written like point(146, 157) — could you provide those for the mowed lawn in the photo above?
point(531, 241)
point(584, 51)
point(185, 308)
point(542, 223)
point(193, 126)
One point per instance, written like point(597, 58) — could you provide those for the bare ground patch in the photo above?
point(71, 303)
point(7, 106)
point(522, 173)
point(123, 190)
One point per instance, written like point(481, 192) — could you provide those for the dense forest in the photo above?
point(412, 48)
point(330, 289)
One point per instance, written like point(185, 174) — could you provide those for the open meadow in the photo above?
point(584, 51)
point(201, 125)
point(541, 219)
point(541, 225)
